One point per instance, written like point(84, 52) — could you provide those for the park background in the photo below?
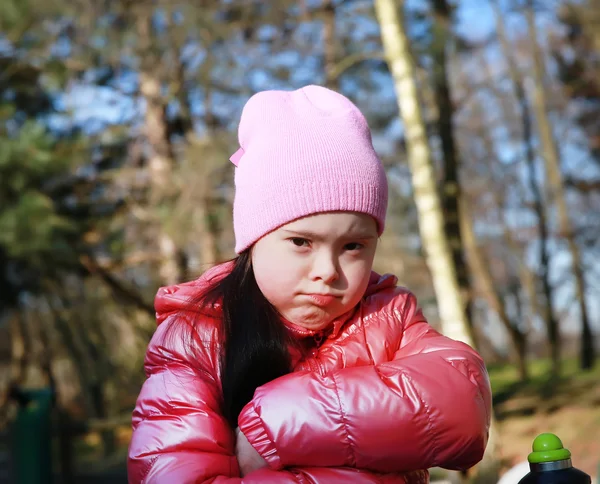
point(117, 119)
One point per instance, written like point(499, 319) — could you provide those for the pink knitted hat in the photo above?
point(303, 152)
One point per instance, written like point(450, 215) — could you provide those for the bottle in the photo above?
point(550, 463)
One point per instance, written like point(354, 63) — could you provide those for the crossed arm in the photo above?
point(429, 406)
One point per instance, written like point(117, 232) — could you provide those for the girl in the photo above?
point(295, 363)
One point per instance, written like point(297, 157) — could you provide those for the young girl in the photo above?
point(295, 363)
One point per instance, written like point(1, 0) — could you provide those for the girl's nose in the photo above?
point(325, 268)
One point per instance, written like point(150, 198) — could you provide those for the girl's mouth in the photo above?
point(322, 300)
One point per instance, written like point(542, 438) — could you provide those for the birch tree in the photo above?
point(438, 253)
point(427, 199)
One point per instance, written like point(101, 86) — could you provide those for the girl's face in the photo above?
point(316, 268)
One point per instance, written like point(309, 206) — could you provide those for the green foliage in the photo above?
point(506, 383)
point(19, 16)
point(26, 159)
point(30, 227)
point(13, 11)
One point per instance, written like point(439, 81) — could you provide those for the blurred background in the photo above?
point(117, 118)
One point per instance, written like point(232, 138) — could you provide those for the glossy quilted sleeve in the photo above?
point(429, 406)
point(178, 432)
point(179, 435)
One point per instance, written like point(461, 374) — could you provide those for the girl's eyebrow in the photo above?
point(307, 234)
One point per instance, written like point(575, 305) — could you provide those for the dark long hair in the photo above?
point(256, 343)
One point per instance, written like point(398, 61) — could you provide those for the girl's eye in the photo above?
point(353, 246)
point(299, 242)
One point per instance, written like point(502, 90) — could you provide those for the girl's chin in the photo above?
point(312, 322)
point(314, 326)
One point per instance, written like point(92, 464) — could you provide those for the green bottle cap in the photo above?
point(548, 448)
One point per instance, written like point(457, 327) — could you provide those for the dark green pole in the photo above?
point(31, 437)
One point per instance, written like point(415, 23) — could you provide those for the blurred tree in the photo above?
point(556, 192)
point(451, 191)
point(59, 208)
point(518, 86)
point(161, 157)
point(494, 183)
point(117, 119)
point(488, 288)
point(577, 53)
point(330, 50)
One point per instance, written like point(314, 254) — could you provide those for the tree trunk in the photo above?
point(390, 15)
point(210, 236)
point(199, 194)
point(21, 347)
point(76, 354)
point(431, 218)
point(96, 346)
point(547, 312)
point(556, 190)
point(93, 369)
point(329, 45)
point(486, 284)
point(515, 292)
point(210, 253)
point(529, 285)
point(20, 359)
point(451, 187)
point(161, 159)
point(65, 448)
point(528, 281)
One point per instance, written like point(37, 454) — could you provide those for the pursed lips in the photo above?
point(322, 299)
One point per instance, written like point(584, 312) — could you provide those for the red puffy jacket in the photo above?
point(381, 400)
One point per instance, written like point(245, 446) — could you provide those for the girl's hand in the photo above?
point(248, 458)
